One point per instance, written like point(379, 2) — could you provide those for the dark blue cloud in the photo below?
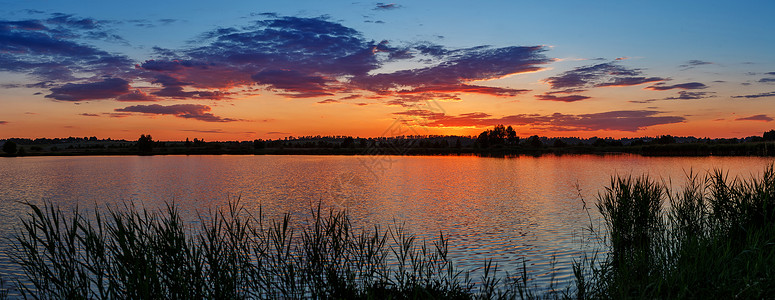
point(73, 22)
point(22, 25)
point(461, 66)
point(106, 89)
point(386, 6)
point(695, 62)
point(686, 86)
point(600, 75)
point(767, 80)
point(761, 95)
point(52, 54)
point(186, 111)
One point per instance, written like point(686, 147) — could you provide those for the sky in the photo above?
point(244, 70)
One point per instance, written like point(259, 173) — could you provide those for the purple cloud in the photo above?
point(3, 122)
point(686, 86)
point(299, 84)
point(568, 98)
point(628, 120)
point(600, 75)
point(685, 95)
point(136, 95)
point(187, 111)
point(464, 88)
point(106, 89)
point(764, 118)
point(328, 101)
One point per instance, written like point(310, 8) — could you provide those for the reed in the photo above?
point(716, 239)
point(233, 254)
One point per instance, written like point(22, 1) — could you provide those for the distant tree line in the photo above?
point(498, 140)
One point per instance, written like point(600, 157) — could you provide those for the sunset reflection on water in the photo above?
point(505, 209)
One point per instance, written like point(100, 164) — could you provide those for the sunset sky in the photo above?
point(242, 70)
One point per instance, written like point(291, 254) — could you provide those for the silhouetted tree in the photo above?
point(9, 147)
point(769, 135)
point(187, 144)
point(457, 143)
point(259, 144)
point(348, 142)
point(145, 143)
point(559, 143)
point(665, 139)
point(534, 141)
point(511, 136)
point(483, 140)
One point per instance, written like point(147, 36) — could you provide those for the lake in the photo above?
point(510, 210)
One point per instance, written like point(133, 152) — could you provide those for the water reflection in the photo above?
point(505, 209)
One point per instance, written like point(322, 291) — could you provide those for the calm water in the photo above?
point(507, 209)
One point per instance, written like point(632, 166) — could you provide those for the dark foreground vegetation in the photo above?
point(712, 239)
point(499, 141)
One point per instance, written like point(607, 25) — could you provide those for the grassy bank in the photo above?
point(713, 238)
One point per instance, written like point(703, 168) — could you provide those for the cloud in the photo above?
point(106, 89)
point(767, 80)
point(301, 85)
point(763, 118)
point(136, 95)
point(600, 75)
point(770, 73)
point(627, 120)
point(686, 86)
point(292, 56)
point(187, 111)
point(693, 63)
point(278, 132)
point(3, 122)
point(459, 67)
point(464, 88)
point(762, 95)
point(386, 6)
point(89, 115)
point(204, 131)
point(568, 98)
point(685, 95)
point(328, 101)
point(50, 53)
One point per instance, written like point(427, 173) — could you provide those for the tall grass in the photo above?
point(233, 254)
point(716, 239)
point(713, 238)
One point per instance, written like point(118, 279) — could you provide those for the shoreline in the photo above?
point(672, 150)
